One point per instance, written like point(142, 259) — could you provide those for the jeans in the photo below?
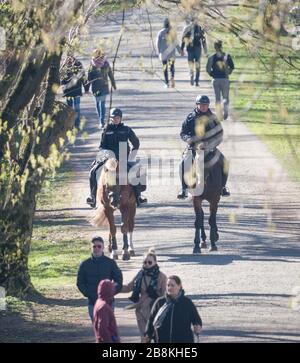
point(100, 106)
point(74, 102)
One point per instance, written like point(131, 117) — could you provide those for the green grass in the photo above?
point(54, 264)
point(57, 245)
point(268, 102)
point(54, 191)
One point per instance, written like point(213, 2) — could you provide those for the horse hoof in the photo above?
point(214, 237)
point(131, 253)
point(196, 250)
point(213, 248)
point(203, 245)
point(126, 256)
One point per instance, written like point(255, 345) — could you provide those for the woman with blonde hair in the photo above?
point(148, 285)
point(98, 74)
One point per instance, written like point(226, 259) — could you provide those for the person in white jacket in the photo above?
point(167, 44)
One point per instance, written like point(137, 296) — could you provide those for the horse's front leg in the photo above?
point(124, 229)
point(214, 235)
point(112, 234)
point(198, 223)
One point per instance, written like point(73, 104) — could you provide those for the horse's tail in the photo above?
point(99, 219)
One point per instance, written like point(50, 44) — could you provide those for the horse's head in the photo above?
point(112, 188)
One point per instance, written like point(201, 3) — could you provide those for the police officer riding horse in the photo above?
point(114, 135)
point(203, 132)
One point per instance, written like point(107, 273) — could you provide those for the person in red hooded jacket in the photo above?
point(105, 325)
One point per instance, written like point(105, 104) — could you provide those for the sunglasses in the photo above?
point(146, 262)
point(97, 246)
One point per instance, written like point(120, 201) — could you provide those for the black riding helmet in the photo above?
point(202, 99)
point(116, 112)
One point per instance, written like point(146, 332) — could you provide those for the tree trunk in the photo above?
point(16, 221)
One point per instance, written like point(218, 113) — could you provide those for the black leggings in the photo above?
point(166, 65)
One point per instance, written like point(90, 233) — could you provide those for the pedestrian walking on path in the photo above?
point(72, 80)
point(146, 287)
point(104, 322)
point(98, 74)
point(166, 44)
point(219, 66)
point(172, 316)
point(95, 269)
point(193, 39)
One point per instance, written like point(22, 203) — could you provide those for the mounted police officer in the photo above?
point(114, 134)
point(202, 126)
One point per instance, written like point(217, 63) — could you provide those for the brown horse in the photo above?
point(212, 188)
point(113, 196)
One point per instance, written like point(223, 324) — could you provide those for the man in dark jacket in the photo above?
point(219, 66)
point(193, 39)
point(114, 134)
point(202, 126)
point(72, 81)
point(95, 269)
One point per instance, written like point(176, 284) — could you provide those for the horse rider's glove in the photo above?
point(190, 140)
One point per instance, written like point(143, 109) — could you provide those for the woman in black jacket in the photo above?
point(72, 80)
point(172, 316)
point(98, 74)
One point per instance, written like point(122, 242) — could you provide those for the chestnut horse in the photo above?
point(212, 188)
point(112, 197)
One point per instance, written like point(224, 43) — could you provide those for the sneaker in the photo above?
point(225, 116)
point(166, 85)
point(192, 81)
point(172, 83)
point(197, 84)
point(225, 192)
point(182, 194)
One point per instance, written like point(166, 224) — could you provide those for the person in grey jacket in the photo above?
point(95, 269)
point(166, 44)
point(98, 74)
point(219, 66)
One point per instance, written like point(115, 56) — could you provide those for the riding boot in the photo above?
point(225, 191)
point(138, 198)
point(183, 193)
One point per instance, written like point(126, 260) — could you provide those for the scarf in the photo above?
point(99, 62)
point(164, 310)
point(153, 272)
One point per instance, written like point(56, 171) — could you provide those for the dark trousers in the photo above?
point(96, 165)
point(93, 178)
point(169, 64)
point(194, 55)
point(188, 158)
